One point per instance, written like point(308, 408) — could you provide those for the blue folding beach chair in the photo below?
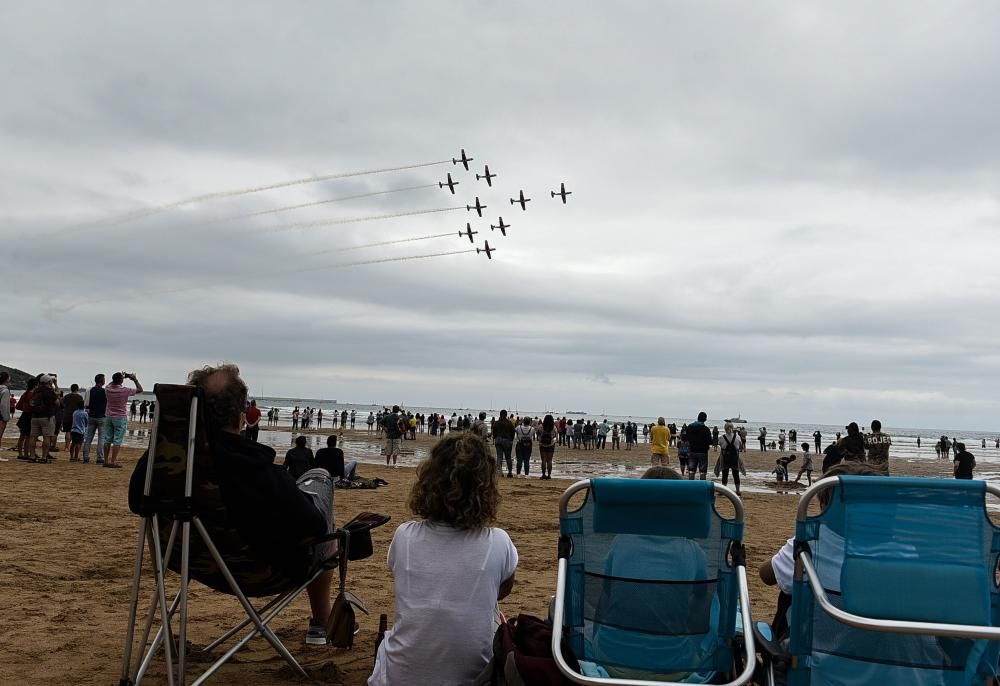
point(652, 582)
point(895, 584)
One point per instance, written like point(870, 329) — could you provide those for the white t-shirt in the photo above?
point(446, 584)
point(827, 565)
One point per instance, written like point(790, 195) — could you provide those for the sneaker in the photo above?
point(316, 634)
point(100, 461)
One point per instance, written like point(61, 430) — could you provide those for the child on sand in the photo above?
point(78, 429)
point(780, 470)
point(807, 465)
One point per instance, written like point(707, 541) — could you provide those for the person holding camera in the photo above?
point(116, 421)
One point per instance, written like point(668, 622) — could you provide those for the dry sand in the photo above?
point(66, 557)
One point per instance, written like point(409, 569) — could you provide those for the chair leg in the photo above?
point(279, 604)
point(158, 570)
point(133, 605)
point(154, 604)
point(283, 599)
point(183, 595)
point(157, 640)
point(264, 630)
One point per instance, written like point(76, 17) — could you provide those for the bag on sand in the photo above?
point(522, 656)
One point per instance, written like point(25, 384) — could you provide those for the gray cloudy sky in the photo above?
point(788, 210)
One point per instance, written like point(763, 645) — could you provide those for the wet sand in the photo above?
point(66, 557)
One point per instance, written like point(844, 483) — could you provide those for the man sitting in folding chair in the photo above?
point(262, 532)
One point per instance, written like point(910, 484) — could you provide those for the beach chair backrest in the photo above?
point(650, 588)
point(897, 549)
point(182, 463)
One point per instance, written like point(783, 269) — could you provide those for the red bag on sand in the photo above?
point(522, 656)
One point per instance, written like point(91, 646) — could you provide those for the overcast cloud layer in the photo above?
point(780, 209)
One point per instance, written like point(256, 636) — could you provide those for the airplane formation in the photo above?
point(488, 177)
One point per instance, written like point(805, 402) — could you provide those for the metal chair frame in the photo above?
point(560, 604)
point(149, 534)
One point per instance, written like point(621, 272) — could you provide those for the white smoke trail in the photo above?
point(355, 220)
point(326, 202)
point(149, 211)
point(381, 243)
point(342, 265)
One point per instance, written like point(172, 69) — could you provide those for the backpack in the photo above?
point(38, 403)
point(522, 655)
point(525, 441)
point(730, 454)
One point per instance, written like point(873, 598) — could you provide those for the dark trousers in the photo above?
point(504, 446)
point(523, 457)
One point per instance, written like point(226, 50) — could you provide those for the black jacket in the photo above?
point(699, 437)
point(261, 500)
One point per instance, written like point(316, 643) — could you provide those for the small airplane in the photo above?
point(562, 192)
point(488, 250)
point(523, 200)
point(503, 227)
point(468, 232)
point(463, 159)
point(477, 207)
point(487, 176)
point(450, 184)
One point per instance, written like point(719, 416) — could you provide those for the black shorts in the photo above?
point(77, 438)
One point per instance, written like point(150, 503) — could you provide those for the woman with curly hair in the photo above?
point(449, 568)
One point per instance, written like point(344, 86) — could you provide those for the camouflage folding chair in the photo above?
point(181, 494)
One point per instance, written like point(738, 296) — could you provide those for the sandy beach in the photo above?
point(67, 548)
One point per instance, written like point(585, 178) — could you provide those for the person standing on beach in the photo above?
point(762, 437)
point(729, 456)
point(503, 437)
point(295, 418)
point(71, 402)
point(852, 446)
point(370, 421)
point(524, 438)
point(393, 435)
point(547, 445)
point(699, 441)
point(133, 409)
point(44, 406)
point(116, 422)
point(253, 421)
point(878, 444)
point(615, 442)
point(807, 465)
point(96, 402)
point(817, 437)
point(480, 427)
point(354, 416)
point(5, 412)
point(660, 452)
point(964, 463)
